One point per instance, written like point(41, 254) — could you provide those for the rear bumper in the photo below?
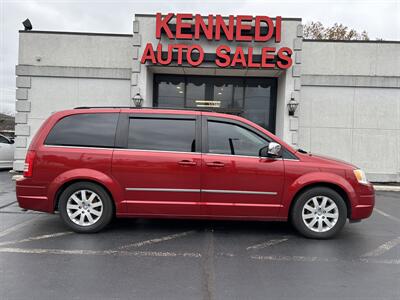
point(365, 204)
point(32, 197)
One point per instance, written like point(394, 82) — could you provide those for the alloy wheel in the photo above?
point(320, 214)
point(84, 207)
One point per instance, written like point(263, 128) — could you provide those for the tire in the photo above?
point(87, 216)
point(319, 213)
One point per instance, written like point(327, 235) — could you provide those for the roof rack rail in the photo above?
point(138, 108)
point(89, 107)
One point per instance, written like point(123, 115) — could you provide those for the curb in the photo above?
point(387, 188)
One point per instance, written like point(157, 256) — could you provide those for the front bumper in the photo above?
point(365, 202)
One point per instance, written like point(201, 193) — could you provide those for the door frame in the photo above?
point(233, 192)
point(122, 137)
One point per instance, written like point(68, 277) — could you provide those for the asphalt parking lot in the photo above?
point(179, 259)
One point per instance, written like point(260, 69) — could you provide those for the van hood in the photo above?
point(327, 160)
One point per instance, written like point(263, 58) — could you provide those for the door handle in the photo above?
point(215, 164)
point(187, 163)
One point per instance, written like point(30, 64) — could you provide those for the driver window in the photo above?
point(231, 139)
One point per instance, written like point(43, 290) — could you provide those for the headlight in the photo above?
point(360, 175)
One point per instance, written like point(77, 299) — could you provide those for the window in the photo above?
point(258, 105)
point(88, 130)
point(195, 92)
point(171, 91)
point(251, 97)
point(225, 138)
point(162, 134)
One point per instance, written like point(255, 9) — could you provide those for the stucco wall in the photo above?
point(59, 71)
point(75, 50)
point(350, 106)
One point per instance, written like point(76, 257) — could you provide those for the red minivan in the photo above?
point(91, 164)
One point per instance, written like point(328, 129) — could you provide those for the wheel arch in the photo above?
point(66, 184)
point(330, 185)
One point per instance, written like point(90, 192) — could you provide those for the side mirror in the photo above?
point(272, 150)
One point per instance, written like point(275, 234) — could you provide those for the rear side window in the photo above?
point(162, 134)
point(88, 130)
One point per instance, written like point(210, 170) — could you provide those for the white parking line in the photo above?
point(16, 227)
point(266, 244)
point(383, 248)
point(282, 258)
point(154, 241)
point(293, 258)
point(100, 252)
point(35, 238)
point(393, 218)
point(381, 261)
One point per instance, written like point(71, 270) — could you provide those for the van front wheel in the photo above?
point(85, 207)
point(319, 213)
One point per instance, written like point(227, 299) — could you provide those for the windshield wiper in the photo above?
point(302, 151)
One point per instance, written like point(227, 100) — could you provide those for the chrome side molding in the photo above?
point(199, 190)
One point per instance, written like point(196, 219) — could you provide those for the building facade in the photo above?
point(348, 92)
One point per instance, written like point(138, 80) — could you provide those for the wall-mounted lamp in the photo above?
point(292, 106)
point(27, 25)
point(137, 100)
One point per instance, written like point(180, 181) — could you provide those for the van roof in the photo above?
point(149, 110)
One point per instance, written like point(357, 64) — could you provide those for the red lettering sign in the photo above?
point(231, 28)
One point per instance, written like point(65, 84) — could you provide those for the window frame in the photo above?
point(122, 136)
point(205, 150)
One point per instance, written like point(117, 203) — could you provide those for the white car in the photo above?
point(6, 152)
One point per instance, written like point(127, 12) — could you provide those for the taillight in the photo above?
point(28, 168)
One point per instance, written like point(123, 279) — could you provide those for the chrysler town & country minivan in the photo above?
point(92, 164)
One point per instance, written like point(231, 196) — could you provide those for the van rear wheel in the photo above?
point(319, 213)
point(85, 207)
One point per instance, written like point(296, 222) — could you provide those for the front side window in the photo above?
point(88, 130)
point(232, 139)
point(162, 134)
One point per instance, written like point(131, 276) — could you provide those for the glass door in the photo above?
point(251, 97)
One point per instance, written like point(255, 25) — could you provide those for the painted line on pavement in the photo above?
point(281, 258)
point(293, 258)
point(381, 261)
point(16, 227)
point(310, 259)
point(383, 248)
point(266, 244)
point(28, 212)
point(386, 215)
point(156, 240)
point(100, 252)
point(36, 238)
